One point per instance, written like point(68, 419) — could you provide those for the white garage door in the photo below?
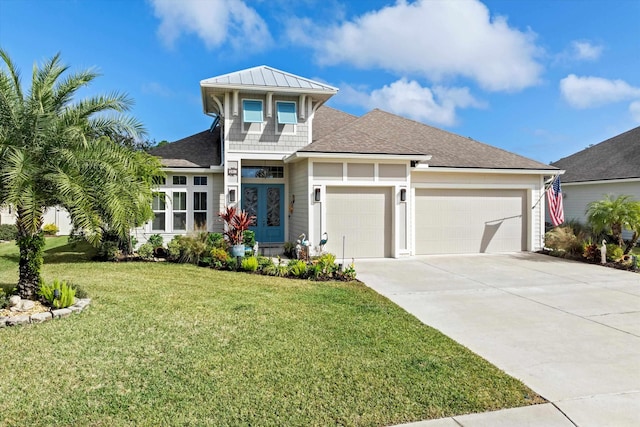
point(363, 216)
point(470, 221)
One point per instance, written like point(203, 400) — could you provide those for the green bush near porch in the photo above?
point(174, 344)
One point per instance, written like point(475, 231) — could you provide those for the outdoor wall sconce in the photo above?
point(232, 171)
point(403, 194)
point(316, 194)
point(232, 196)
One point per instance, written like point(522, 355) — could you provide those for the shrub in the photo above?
point(249, 264)
point(219, 258)
point(8, 231)
point(289, 249)
point(80, 292)
point(249, 238)
point(187, 249)
point(155, 240)
point(349, 272)
point(563, 239)
point(76, 236)
point(327, 264)
point(614, 252)
point(297, 268)
point(264, 262)
point(216, 240)
point(591, 252)
point(108, 251)
point(50, 229)
point(145, 251)
point(58, 294)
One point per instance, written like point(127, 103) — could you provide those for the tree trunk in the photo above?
point(632, 242)
point(31, 248)
point(616, 230)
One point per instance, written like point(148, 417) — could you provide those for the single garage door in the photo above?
point(470, 221)
point(363, 216)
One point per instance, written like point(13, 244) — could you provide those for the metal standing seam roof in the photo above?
point(264, 76)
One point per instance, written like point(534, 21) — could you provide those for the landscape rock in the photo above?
point(18, 320)
point(76, 309)
point(61, 312)
point(3, 321)
point(23, 305)
point(14, 300)
point(41, 317)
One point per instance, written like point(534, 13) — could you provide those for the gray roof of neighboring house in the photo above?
point(264, 77)
point(379, 132)
point(200, 150)
point(615, 158)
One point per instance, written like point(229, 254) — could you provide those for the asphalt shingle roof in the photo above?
point(615, 158)
point(195, 151)
point(379, 132)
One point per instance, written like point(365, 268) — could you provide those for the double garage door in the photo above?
point(469, 221)
point(446, 221)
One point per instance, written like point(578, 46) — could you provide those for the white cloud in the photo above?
point(215, 22)
point(409, 99)
point(585, 50)
point(634, 109)
point(437, 39)
point(587, 92)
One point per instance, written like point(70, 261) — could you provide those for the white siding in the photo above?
point(576, 197)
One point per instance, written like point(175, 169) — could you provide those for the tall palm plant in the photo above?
point(614, 214)
point(55, 150)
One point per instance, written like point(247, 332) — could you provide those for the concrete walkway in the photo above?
point(569, 330)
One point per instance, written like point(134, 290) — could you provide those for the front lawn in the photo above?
point(169, 344)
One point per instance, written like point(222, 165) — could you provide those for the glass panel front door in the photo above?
point(266, 202)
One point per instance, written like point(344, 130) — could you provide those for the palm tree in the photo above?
point(57, 151)
point(614, 215)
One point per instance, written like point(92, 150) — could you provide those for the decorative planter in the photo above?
point(237, 250)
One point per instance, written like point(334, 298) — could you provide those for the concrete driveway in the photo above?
point(569, 330)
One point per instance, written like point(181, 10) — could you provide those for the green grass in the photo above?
point(167, 344)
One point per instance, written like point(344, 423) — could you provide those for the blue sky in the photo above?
point(542, 78)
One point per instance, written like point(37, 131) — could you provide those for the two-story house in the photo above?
point(379, 185)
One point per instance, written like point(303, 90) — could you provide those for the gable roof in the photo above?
point(327, 120)
point(614, 158)
point(200, 150)
point(264, 77)
point(380, 132)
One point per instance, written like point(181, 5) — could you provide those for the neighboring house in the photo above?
point(381, 185)
point(55, 215)
point(610, 167)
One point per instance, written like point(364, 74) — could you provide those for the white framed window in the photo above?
point(286, 113)
point(180, 211)
point(179, 180)
point(199, 180)
point(199, 210)
point(159, 207)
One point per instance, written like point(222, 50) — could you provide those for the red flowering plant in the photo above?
point(237, 222)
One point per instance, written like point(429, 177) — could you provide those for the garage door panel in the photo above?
point(363, 216)
point(469, 221)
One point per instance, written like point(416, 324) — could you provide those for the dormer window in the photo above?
point(286, 112)
point(252, 111)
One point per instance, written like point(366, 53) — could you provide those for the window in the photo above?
point(200, 211)
point(159, 180)
point(179, 211)
point(199, 180)
point(269, 172)
point(159, 206)
point(179, 180)
point(286, 112)
point(252, 111)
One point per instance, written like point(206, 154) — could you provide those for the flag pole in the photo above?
point(547, 185)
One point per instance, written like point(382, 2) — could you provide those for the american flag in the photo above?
point(554, 197)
